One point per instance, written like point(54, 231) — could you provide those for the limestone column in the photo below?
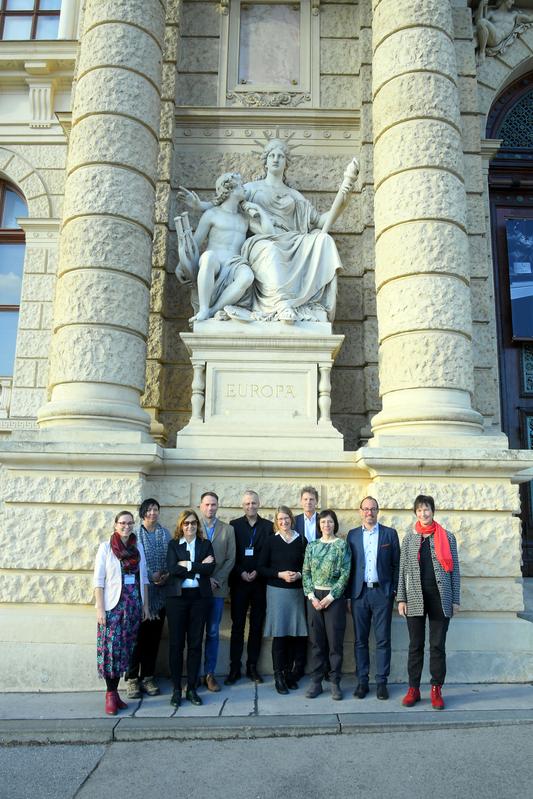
point(98, 355)
point(422, 260)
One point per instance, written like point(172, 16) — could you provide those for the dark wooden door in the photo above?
point(512, 230)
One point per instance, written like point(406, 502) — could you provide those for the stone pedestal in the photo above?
point(263, 389)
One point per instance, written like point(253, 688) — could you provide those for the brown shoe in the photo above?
point(211, 683)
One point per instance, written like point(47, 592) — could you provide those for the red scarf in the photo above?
point(127, 553)
point(442, 545)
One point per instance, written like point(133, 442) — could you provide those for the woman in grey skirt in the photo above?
point(281, 563)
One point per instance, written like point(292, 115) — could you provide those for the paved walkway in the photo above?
point(249, 711)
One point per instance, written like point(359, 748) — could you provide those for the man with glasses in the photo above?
point(371, 590)
point(222, 537)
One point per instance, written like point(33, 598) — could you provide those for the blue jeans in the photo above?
point(214, 617)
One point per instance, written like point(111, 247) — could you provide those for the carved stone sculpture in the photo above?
point(497, 26)
point(221, 274)
point(287, 269)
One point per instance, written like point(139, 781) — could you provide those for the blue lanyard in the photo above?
point(252, 538)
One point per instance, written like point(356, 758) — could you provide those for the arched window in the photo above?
point(12, 205)
point(29, 19)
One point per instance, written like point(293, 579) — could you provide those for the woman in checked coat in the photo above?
point(428, 586)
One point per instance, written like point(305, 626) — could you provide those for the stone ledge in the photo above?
point(431, 720)
point(57, 731)
point(131, 729)
point(90, 731)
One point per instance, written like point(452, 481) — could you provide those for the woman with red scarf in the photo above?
point(429, 586)
point(120, 588)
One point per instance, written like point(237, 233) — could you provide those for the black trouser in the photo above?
point(111, 683)
point(243, 596)
point(326, 633)
point(186, 615)
point(438, 627)
point(289, 653)
point(145, 650)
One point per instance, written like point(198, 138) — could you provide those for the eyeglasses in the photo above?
point(190, 524)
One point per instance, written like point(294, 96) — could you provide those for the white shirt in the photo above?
point(191, 582)
point(108, 574)
point(370, 545)
point(310, 528)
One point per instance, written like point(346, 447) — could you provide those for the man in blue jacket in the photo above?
point(371, 590)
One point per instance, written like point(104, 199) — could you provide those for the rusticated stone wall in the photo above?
point(69, 512)
point(46, 612)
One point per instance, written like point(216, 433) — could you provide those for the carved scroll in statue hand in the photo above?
point(497, 26)
point(291, 259)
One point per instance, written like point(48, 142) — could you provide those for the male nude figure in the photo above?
point(495, 24)
point(221, 274)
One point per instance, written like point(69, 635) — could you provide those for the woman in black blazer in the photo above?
point(190, 564)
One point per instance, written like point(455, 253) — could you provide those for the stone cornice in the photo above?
point(18, 52)
point(283, 117)
point(40, 228)
point(489, 148)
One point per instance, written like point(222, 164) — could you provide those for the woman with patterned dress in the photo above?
point(154, 539)
point(120, 581)
point(325, 574)
point(280, 563)
point(428, 586)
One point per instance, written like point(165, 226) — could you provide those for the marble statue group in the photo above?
point(261, 251)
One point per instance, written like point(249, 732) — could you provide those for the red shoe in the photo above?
point(111, 703)
point(437, 701)
point(411, 697)
point(120, 704)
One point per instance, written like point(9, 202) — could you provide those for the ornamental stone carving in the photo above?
point(268, 99)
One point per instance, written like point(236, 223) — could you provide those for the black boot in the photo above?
point(290, 680)
point(279, 682)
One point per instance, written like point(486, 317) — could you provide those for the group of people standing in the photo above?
point(294, 577)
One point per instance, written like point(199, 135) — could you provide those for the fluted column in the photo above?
point(98, 354)
point(422, 260)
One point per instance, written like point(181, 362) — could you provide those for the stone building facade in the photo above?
point(98, 129)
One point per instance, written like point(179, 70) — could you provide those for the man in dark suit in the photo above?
point(371, 590)
point(247, 588)
point(306, 523)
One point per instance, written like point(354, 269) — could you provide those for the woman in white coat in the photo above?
point(120, 588)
